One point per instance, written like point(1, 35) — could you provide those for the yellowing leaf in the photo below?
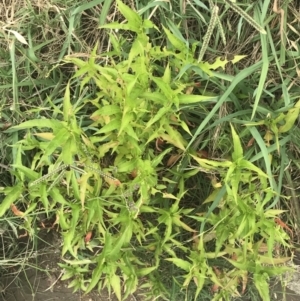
point(116, 285)
point(67, 103)
point(189, 99)
point(238, 149)
point(268, 137)
point(46, 136)
point(182, 264)
point(268, 260)
point(210, 164)
point(83, 188)
point(221, 63)
point(237, 58)
point(290, 119)
point(215, 183)
point(169, 196)
point(174, 137)
point(274, 212)
point(297, 105)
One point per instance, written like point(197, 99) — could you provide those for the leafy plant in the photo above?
point(104, 168)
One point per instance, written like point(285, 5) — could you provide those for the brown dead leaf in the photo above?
point(88, 237)
point(159, 142)
point(250, 143)
point(173, 159)
point(16, 211)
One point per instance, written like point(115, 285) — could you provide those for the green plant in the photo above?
point(241, 218)
point(118, 226)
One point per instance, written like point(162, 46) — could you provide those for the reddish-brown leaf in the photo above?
point(88, 237)
point(16, 211)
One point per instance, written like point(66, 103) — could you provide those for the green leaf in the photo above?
point(210, 164)
point(116, 25)
point(182, 264)
point(83, 189)
point(11, 197)
point(237, 79)
point(158, 159)
point(189, 99)
point(57, 196)
point(67, 103)
point(111, 126)
point(59, 140)
point(126, 120)
point(108, 110)
point(76, 61)
point(290, 119)
point(235, 181)
point(130, 85)
point(250, 166)
point(176, 220)
point(75, 186)
point(126, 166)
point(274, 212)
point(237, 146)
point(146, 271)
point(200, 276)
point(185, 127)
point(62, 219)
point(158, 115)
point(32, 175)
point(121, 241)
point(260, 282)
point(71, 234)
point(164, 87)
point(155, 97)
point(220, 62)
point(116, 45)
point(133, 18)
point(130, 131)
point(149, 24)
point(177, 43)
point(115, 282)
point(44, 197)
point(137, 49)
point(174, 137)
point(167, 75)
point(97, 272)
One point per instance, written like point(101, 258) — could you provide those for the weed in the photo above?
point(113, 159)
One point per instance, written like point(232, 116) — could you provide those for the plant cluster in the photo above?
point(113, 171)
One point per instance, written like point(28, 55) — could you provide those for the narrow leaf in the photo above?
point(185, 265)
point(238, 149)
point(11, 197)
point(116, 285)
point(132, 17)
point(67, 103)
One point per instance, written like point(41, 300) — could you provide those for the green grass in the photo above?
point(208, 146)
